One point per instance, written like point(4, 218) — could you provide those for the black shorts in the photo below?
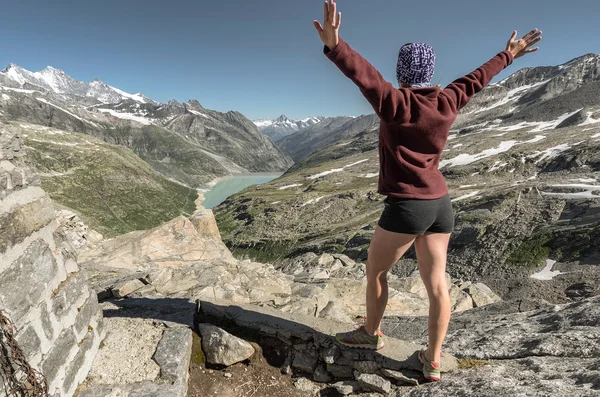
point(417, 216)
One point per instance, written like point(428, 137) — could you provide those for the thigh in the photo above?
point(432, 251)
point(386, 249)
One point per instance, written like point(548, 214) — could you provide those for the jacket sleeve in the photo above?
point(390, 103)
point(460, 92)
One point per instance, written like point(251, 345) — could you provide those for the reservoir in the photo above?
point(233, 185)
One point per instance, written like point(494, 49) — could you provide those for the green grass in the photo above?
point(531, 253)
point(198, 357)
point(469, 363)
point(113, 190)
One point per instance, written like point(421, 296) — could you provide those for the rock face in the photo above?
point(178, 240)
point(550, 351)
point(303, 143)
point(58, 323)
point(220, 347)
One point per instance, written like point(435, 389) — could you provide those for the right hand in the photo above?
point(521, 47)
point(329, 31)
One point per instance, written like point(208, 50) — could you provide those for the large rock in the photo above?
point(172, 244)
point(205, 222)
point(220, 347)
point(374, 383)
point(347, 387)
point(482, 295)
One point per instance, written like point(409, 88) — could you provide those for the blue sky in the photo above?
point(263, 58)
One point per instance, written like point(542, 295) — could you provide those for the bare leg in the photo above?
point(432, 250)
point(385, 250)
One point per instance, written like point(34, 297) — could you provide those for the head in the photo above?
point(416, 65)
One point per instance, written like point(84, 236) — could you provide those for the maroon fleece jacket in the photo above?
point(415, 122)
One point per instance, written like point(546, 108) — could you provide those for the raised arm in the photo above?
point(462, 90)
point(389, 103)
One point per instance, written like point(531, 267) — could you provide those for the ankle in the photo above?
point(371, 331)
point(431, 356)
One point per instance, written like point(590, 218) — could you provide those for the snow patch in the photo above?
point(550, 152)
point(373, 175)
point(589, 120)
point(550, 125)
point(313, 201)
point(127, 116)
point(67, 112)
point(19, 90)
point(290, 186)
point(136, 97)
point(546, 273)
point(5, 97)
point(335, 170)
point(512, 95)
point(465, 159)
point(497, 165)
point(586, 194)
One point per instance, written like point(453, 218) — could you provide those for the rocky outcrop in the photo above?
point(174, 243)
point(311, 351)
point(58, 323)
point(551, 351)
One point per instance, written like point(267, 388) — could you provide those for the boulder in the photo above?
point(346, 388)
point(220, 347)
point(374, 383)
point(482, 295)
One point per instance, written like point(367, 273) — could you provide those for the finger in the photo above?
point(514, 35)
point(318, 27)
point(332, 12)
point(339, 20)
point(535, 38)
point(531, 33)
point(326, 15)
point(533, 42)
point(532, 50)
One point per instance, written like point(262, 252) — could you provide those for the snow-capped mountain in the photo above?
point(282, 126)
point(183, 141)
point(57, 81)
point(522, 93)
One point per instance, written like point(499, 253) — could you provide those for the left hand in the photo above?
point(329, 31)
point(523, 46)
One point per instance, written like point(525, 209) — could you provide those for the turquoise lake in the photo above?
point(232, 185)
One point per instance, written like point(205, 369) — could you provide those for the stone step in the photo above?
point(311, 341)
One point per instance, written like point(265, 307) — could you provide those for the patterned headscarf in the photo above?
point(416, 65)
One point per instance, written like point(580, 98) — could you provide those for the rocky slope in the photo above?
point(523, 177)
point(108, 185)
point(291, 312)
point(282, 126)
point(311, 139)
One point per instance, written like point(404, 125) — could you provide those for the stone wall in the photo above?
point(58, 322)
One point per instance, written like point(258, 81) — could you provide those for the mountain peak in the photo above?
point(282, 119)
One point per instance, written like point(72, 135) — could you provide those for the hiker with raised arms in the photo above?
point(415, 123)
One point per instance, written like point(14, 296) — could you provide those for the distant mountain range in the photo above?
point(184, 142)
point(282, 126)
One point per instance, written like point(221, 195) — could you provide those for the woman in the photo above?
point(415, 122)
